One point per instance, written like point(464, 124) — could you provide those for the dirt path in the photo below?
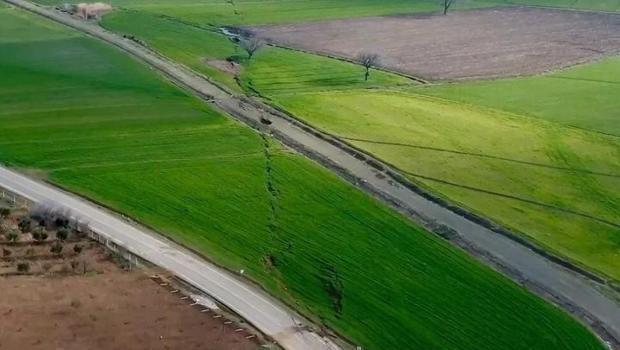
point(575, 292)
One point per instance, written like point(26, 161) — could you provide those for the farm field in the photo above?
point(224, 12)
point(106, 311)
point(89, 118)
point(559, 186)
point(584, 96)
point(480, 43)
point(198, 46)
point(88, 298)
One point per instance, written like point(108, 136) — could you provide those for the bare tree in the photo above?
point(368, 60)
point(446, 5)
point(251, 45)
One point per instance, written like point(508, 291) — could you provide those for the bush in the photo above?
point(62, 234)
point(6, 252)
point(56, 248)
point(23, 267)
point(77, 249)
point(39, 234)
point(25, 224)
point(12, 236)
point(5, 212)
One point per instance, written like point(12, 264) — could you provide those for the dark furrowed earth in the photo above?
point(462, 45)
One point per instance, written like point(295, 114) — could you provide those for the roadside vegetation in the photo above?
point(99, 123)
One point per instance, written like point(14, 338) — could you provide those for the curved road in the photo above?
point(248, 301)
point(574, 292)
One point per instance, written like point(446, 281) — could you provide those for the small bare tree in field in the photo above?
point(446, 5)
point(251, 45)
point(368, 60)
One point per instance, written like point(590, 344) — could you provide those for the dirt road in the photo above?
point(573, 291)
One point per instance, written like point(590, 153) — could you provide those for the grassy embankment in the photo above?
point(99, 123)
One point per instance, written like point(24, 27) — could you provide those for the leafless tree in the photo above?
point(251, 45)
point(368, 60)
point(446, 5)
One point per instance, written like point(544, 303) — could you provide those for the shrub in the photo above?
point(25, 224)
point(12, 236)
point(39, 234)
point(77, 249)
point(56, 248)
point(5, 212)
point(23, 267)
point(62, 234)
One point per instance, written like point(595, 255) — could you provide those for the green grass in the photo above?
point(486, 174)
point(101, 124)
point(584, 96)
point(222, 12)
point(225, 12)
point(280, 71)
point(190, 44)
point(494, 163)
point(272, 70)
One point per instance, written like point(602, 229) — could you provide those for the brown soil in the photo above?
point(110, 309)
point(96, 305)
point(467, 44)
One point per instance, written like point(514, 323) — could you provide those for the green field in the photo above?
point(194, 46)
point(558, 185)
point(225, 12)
point(520, 163)
point(584, 96)
point(97, 122)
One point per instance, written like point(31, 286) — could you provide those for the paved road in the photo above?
point(248, 301)
point(537, 270)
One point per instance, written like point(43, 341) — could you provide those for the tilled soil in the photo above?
point(469, 44)
point(106, 308)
